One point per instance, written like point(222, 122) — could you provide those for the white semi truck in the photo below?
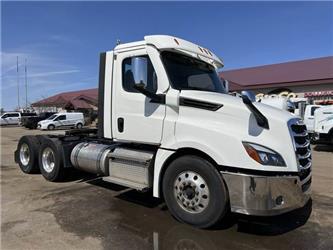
point(167, 124)
point(323, 125)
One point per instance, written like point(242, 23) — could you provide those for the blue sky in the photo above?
point(62, 40)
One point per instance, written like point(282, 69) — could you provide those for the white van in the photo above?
point(62, 120)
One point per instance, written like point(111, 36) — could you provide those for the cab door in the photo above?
point(60, 121)
point(135, 118)
point(309, 116)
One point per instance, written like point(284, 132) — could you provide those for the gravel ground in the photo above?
point(83, 212)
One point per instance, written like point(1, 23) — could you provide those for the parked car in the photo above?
point(32, 122)
point(14, 118)
point(62, 120)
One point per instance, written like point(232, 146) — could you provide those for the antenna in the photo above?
point(26, 85)
point(118, 42)
point(18, 83)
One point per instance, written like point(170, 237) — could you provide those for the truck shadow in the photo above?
point(274, 225)
point(323, 148)
point(256, 225)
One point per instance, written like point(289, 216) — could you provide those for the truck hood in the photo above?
point(233, 123)
point(236, 104)
point(44, 121)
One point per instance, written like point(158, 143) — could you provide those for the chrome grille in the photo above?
point(302, 148)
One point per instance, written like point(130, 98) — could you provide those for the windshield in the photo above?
point(189, 73)
point(51, 117)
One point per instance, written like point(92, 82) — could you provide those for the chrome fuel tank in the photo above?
point(91, 157)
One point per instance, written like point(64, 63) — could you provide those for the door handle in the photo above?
point(120, 122)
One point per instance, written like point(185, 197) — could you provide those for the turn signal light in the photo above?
point(252, 152)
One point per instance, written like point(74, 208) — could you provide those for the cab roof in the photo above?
point(164, 42)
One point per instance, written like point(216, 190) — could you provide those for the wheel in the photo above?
point(27, 154)
point(194, 191)
point(79, 125)
point(50, 160)
point(51, 127)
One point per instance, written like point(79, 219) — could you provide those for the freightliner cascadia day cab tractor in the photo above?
point(167, 124)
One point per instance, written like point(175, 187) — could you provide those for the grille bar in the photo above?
point(302, 147)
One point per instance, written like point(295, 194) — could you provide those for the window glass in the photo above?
point(4, 116)
point(13, 115)
point(313, 110)
point(139, 69)
point(61, 117)
point(51, 117)
point(186, 72)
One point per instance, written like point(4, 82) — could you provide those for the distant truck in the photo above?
point(166, 123)
point(323, 125)
point(62, 120)
point(32, 122)
point(14, 118)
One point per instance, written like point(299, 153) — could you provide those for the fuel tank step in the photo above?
point(131, 168)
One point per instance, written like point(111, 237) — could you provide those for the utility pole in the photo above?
point(26, 85)
point(18, 83)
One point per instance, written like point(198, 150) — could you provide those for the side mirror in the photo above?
point(225, 85)
point(248, 96)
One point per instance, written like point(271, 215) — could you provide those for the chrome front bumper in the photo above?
point(266, 195)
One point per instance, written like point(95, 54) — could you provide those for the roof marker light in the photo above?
point(176, 41)
point(200, 49)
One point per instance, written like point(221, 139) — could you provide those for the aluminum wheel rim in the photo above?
point(24, 154)
point(191, 192)
point(48, 160)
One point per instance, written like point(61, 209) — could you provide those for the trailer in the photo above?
point(166, 123)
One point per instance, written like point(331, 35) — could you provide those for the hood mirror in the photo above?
point(248, 96)
point(225, 84)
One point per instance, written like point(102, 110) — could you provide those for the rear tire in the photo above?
point(194, 191)
point(27, 154)
point(51, 127)
point(51, 160)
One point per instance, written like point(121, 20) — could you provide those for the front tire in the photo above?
point(194, 191)
point(27, 154)
point(51, 160)
point(51, 127)
point(79, 125)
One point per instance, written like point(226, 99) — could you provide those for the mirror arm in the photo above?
point(155, 98)
point(260, 118)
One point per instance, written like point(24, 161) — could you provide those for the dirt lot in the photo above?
point(85, 213)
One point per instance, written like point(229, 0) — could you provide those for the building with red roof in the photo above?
point(312, 79)
point(74, 100)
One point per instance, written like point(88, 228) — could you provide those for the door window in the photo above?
point(10, 115)
point(61, 118)
point(313, 110)
point(138, 69)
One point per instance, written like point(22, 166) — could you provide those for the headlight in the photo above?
point(263, 155)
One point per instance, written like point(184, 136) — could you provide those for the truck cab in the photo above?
point(323, 125)
point(309, 116)
point(166, 123)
